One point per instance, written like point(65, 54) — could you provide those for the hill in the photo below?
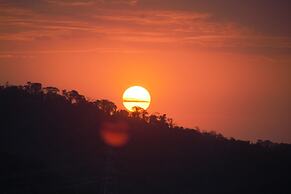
point(59, 142)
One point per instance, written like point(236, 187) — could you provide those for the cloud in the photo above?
point(92, 2)
point(91, 19)
point(265, 16)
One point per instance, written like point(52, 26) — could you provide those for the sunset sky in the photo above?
point(222, 65)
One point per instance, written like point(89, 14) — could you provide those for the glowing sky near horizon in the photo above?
point(218, 64)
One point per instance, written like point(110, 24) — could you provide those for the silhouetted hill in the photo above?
point(59, 142)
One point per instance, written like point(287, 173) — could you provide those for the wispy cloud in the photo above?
point(88, 19)
point(92, 2)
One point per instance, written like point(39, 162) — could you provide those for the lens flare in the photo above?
point(115, 134)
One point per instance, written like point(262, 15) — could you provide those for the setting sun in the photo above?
point(136, 96)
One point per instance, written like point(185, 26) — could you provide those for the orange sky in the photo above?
point(204, 64)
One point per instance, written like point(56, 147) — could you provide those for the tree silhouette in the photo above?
point(33, 88)
point(53, 142)
point(107, 106)
point(73, 97)
point(138, 112)
point(51, 90)
point(122, 113)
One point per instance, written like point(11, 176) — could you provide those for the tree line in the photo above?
point(52, 141)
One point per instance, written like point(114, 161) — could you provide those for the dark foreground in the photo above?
point(62, 143)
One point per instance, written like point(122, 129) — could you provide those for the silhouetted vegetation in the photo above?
point(60, 142)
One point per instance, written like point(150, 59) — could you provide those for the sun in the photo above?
point(136, 96)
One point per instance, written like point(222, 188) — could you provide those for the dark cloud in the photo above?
point(266, 16)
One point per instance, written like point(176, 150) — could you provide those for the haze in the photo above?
point(220, 65)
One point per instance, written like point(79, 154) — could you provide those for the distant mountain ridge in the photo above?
point(56, 141)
